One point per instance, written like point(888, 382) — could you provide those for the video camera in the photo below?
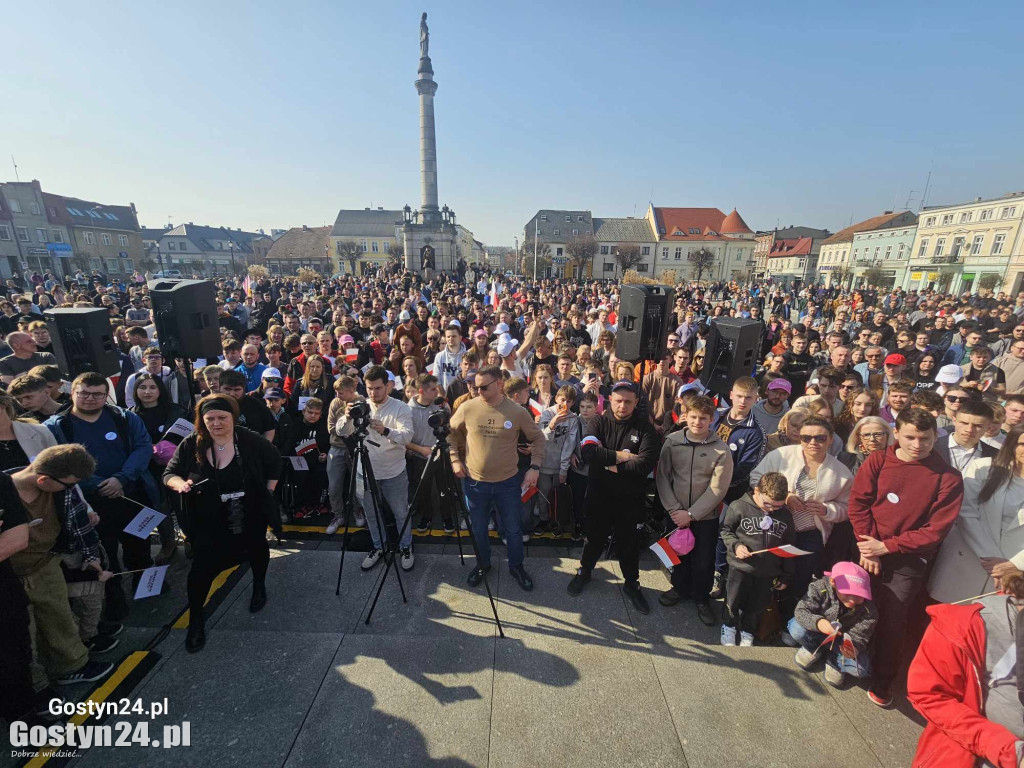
point(440, 422)
point(359, 412)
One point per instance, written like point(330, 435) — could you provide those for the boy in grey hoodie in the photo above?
point(563, 431)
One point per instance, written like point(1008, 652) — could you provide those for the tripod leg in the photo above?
point(388, 548)
point(349, 507)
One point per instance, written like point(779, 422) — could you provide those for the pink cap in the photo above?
point(851, 579)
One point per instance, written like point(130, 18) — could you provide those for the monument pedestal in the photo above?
point(439, 237)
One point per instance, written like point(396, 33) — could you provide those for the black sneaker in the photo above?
point(522, 578)
point(101, 644)
point(636, 597)
point(109, 628)
point(669, 597)
point(706, 614)
point(449, 527)
point(477, 575)
point(578, 582)
point(90, 673)
point(424, 525)
point(718, 587)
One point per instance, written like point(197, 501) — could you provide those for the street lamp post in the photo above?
point(234, 272)
point(159, 257)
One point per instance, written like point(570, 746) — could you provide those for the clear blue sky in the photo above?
point(272, 114)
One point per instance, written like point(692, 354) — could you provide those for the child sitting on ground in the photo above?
point(756, 521)
point(838, 604)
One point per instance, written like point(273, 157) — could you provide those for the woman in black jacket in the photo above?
point(153, 405)
point(227, 476)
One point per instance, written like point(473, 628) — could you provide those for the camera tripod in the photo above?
point(438, 469)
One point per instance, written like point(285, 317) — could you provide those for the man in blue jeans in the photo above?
point(485, 433)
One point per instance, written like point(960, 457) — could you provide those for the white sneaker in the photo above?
point(360, 520)
point(526, 537)
point(464, 525)
point(490, 526)
point(371, 559)
point(728, 635)
point(408, 561)
point(335, 524)
point(746, 640)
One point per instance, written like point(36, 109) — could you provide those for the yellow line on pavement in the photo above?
point(222, 577)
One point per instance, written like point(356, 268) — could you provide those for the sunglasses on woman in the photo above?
point(956, 399)
point(820, 439)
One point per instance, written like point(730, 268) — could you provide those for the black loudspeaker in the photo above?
point(83, 341)
point(731, 352)
point(644, 320)
point(185, 315)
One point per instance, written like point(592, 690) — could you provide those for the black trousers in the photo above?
point(209, 559)
point(15, 652)
point(430, 499)
point(133, 554)
point(602, 520)
point(895, 592)
point(695, 573)
point(746, 597)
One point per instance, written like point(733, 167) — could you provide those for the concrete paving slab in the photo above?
point(441, 604)
point(754, 706)
point(401, 700)
point(559, 702)
point(664, 624)
point(245, 695)
point(892, 734)
point(597, 616)
point(300, 594)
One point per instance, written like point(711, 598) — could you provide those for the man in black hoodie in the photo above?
point(621, 446)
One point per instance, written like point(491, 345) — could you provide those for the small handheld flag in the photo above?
point(665, 553)
point(786, 550)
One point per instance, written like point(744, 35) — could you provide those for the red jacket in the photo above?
point(907, 505)
point(944, 685)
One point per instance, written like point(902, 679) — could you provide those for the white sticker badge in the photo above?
point(507, 425)
point(893, 498)
point(111, 436)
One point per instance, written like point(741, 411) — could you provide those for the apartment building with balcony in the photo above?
point(887, 250)
point(957, 246)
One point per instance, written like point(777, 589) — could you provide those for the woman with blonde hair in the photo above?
point(20, 439)
point(868, 435)
point(788, 432)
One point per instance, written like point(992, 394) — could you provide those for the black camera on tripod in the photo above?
point(441, 422)
point(359, 412)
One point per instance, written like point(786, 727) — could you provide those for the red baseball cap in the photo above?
point(895, 359)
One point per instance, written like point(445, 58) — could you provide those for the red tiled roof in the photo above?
point(735, 225)
point(875, 222)
point(786, 248)
point(704, 220)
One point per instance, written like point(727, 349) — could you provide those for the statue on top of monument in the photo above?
point(424, 36)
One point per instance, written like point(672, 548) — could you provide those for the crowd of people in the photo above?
point(858, 494)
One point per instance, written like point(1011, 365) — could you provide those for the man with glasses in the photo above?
point(872, 369)
point(119, 442)
point(1012, 363)
point(485, 436)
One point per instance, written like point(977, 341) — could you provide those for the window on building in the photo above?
point(105, 238)
point(74, 211)
point(1006, 213)
point(580, 218)
point(95, 264)
point(609, 267)
point(34, 207)
point(387, 247)
point(888, 252)
point(170, 246)
point(997, 244)
point(22, 234)
point(575, 233)
point(57, 235)
point(923, 250)
point(5, 232)
point(642, 267)
point(940, 246)
point(664, 253)
point(375, 247)
point(801, 263)
point(645, 251)
point(129, 265)
point(985, 215)
point(544, 217)
point(113, 265)
point(902, 248)
point(604, 250)
point(855, 250)
point(362, 246)
point(679, 254)
point(15, 205)
point(843, 256)
point(183, 246)
point(558, 232)
point(219, 244)
point(558, 252)
point(976, 244)
point(90, 238)
point(41, 235)
point(947, 218)
point(966, 216)
point(958, 246)
point(930, 221)
point(122, 240)
point(110, 216)
point(877, 249)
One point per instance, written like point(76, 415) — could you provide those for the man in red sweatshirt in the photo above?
point(903, 502)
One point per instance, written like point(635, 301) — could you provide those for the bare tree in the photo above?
point(397, 254)
point(701, 261)
point(349, 250)
point(841, 275)
point(627, 256)
point(581, 249)
point(875, 276)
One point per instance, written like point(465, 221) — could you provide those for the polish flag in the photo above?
point(665, 553)
point(535, 408)
point(788, 550)
point(351, 354)
point(495, 289)
point(590, 440)
point(529, 493)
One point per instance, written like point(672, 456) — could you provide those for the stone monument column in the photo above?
point(426, 88)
